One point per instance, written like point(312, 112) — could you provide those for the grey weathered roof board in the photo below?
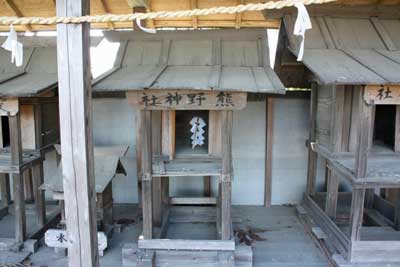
point(350, 50)
point(38, 73)
point(229, 60)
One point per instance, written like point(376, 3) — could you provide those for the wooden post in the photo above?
point(397, 131)
point(356, 213)
point(207, 186)
point(268, 152)
point(156, 121)
point(28, 185)
point(75, 95)
point(226, 177)
point(332, 195)
point(312, 156)
point(5, 190)
point(145, 133)
point(364, 136)
point(16, 160)
point(40, 205)
point(397, 149)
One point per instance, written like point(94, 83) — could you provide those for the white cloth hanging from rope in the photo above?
point(303, 23)
point(139, 23)
point(198, 132)
point(16, 48)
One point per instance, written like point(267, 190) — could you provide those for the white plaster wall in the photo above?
point(290, 156)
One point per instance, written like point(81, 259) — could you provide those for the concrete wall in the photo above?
point(114, 124)
point(290, 156)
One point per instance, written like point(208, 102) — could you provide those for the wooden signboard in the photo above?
point(382, 94)
point(187, 100)
point(58, 238)
point(9, 107)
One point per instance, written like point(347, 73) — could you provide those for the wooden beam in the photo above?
point(106, 10)
point(179, 244)
point(238, 20)
point(268, 151)
point(193, 5)
point(75, 94)
point(14, 8)
point(19, 196)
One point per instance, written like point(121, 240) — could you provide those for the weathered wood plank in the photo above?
point(192, 200)
point(186, 100)
point(73, 57)
point(179, 244)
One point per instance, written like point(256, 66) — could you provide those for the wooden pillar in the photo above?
point(397, 130)
point(28, 185)
point(397, 149)
point(268, 152)
point(226, 177)
point(358, 195)
point(207, 186)
point(75, 95)
point(147, 209)
point(364, 135)
point(156, 119)
point(40, 205)
point(16, 160)
point(332, 195)
point(356, 213)
point(5, 190)
point(312, 156)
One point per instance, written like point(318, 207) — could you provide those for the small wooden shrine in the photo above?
point(29, 127)
point(352, 62)
point(171, 78)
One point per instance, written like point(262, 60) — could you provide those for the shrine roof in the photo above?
point(350, 50)
point(38, 72)
point(220, 60)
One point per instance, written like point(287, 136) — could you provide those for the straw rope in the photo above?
point(154, 15)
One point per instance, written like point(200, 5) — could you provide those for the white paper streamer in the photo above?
point(303, 23)
point(198, 131)
point(16, 48)
point(139, 23)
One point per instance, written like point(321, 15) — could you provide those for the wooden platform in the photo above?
point(287, 244)
point(379, 244)
point(29, 158)
point(383, 170)
point(34, 231)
